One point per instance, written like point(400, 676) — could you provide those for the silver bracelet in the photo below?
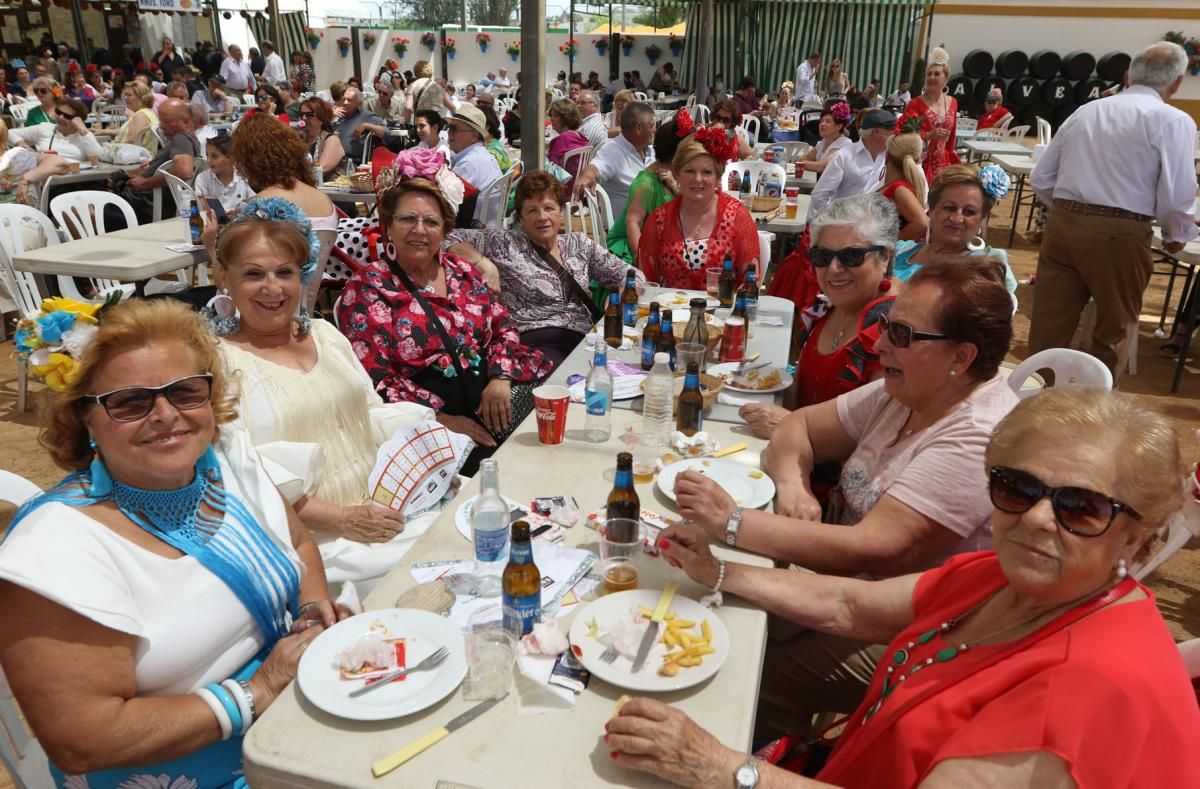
point(305, 607)
point(245, 683)
point(720, 576)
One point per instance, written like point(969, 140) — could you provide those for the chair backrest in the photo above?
point(792, 151)
point(757, 169)
point(1070, 368)
point(765, 239)
point(493, 200)
point(967, 124)
point(640, 96)
point(556, 94)
point(19, 112)
point(1044, 131)
point(181, 191)
point(699, 113)
point(81, 214)
point(598, 217)
point(1176, 533)
point(1017, 133)
point(993, 134)
point(14, 220)
point(575, 160)
point(751, 124)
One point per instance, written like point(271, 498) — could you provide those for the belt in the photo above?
point(1100, 210)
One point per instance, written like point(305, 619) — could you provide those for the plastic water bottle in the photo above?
point(597, 395)
point(658, 406)
point(489, 528)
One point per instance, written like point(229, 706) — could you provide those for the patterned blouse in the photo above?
point(666, 258)
point(394, 339)
point(532, 293)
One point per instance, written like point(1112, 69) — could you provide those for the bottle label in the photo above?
point(521, 612)
point(597, 402)
point(197, 233)
point(629, 314)
point(489, 545)
point(648, 349)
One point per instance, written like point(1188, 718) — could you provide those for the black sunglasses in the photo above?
point(901, 335)
point(308, 114)
point(40, 91)
point(722, 119)
point(263, 97)
point(65, 115)
point(851, 257)
point(1080, 511)
point(135, 402)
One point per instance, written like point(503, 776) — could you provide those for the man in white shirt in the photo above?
point(806, 78)
point(857, 168)
point(900, 97)
point(470, 160)
point(620, 159)
point(591, 124)
point(273, 68)
point(236, 72)
point(1117, 165)
point(502, 81)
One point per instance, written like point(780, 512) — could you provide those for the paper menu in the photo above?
point(416, 466)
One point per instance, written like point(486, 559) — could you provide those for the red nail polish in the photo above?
point(607, 724)
point(664, 544)
point(606, 738)
point(613, 754)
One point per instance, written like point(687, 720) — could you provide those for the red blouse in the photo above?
point(938, 153)
point(824, 376)
point(1109, 695)
point(993, 118)
point(661, 249)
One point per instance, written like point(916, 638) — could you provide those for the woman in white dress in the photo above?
point(158, 599)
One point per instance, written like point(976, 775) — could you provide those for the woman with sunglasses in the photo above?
point(832, 131)
point(324, 147)
point(1038, 663)
point(54, 148)
point(911, 489)
point(157, 600)
point(268, 101)
point(48, 92)
point(725, 113)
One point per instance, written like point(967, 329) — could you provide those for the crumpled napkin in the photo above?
point(535, 694)
point(628, 335)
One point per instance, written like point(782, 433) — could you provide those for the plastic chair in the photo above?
point(1178, 531)
point(493, 200)
point(757, 169)
point(1017, 133)
point(699, 113)
point(1070, 367)
point(968, 124)
point(640, 96)
point(792, 151)
point(81, 215)
point(1190, 652)
point(584, 154)
point(752, 125)
point(595, 214)
point(765, 240)
point(19, 112)
point(1044, 131)
point(22, 285)
point(556, 94)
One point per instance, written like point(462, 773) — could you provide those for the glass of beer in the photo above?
point(645, 458)
point(712, 281)
point(620, 544)
point(791, 202)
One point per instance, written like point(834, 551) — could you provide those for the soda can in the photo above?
point(733, 341)
point(768, 155)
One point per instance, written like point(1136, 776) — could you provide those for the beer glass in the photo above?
point(620, 543)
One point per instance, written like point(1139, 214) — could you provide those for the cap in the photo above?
point(877, 119)
point(994, 95)
point(662, 358)
point(473, 117)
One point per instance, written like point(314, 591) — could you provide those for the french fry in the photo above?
point(706, 631)
point(686, 648)
point(683, 623)
point(669, 639)
point(646, 612)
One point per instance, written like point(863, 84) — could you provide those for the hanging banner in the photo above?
point(182, 6)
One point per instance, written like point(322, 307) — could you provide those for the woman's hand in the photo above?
point(648, 735)
point(704, 502)
point(939, 134)
point(495, 405)
point(668, 180)
point(792, 501)
point(468, 427)
point(762, 418)
point(280, 667)
point(325, 613)
point(685, 545)
point(369, 523)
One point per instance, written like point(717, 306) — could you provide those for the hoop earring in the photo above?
point(221, 314)
point(305, 321)
point(977, 244)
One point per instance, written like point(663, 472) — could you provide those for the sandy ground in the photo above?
point(1177, 582)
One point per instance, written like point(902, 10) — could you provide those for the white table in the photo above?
point(132, 255)
point(781, 224)
point(983, 150)
point(1021, 167)
point(295, 744)
point(87, 172)
point(346, 196)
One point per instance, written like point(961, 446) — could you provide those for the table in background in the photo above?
point(669, 103)
point(296, 744)
point(978, 149)
point(1021, 167)
point(87, 172)
point(1188, 260)
point(339, 195)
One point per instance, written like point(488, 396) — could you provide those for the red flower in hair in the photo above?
point(153, 65)
point(720, 143)
point(683, 123)
point(91, 68)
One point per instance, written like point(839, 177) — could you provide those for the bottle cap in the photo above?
point(698, 303)
point(520, 531)
point(662, 358)
point(734, 321)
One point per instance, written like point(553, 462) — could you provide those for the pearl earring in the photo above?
point(1122, 568)
point(953, 373)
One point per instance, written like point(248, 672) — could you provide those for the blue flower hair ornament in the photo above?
point(994, 180)
point(276, 209)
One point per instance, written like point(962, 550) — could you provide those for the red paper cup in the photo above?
point(550, 406)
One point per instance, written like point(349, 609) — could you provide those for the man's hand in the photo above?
point(1171, 247)
point(139, 183)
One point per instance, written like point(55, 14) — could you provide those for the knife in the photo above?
point(660, 610)
point(389, 763)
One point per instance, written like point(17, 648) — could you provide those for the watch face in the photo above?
point(746, 775)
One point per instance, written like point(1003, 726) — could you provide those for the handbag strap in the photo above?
point(568, 281)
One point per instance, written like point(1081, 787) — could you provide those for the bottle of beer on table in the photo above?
point(612, 321)
point(691, 403)
point(650, 337)
point(697, 328)
point(749, 291)
point(727, 283)
point(740, 308)
point(196, 224)
point(629, 299)
point(666, 338)
point(623, 501)
point(522, 583)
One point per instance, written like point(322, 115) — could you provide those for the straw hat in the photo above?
point(472, 116)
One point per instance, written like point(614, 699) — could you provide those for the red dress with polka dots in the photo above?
point(666, 258)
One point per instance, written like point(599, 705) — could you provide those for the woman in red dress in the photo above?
point(933, 115)
point(699, 228)
point(995, 113)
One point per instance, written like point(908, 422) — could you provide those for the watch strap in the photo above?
point(733, 525)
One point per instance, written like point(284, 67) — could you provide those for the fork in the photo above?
point(609, 654)
point(433, 660)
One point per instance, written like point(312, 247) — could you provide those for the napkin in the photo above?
point(535, 694)
point(629, 336)
point(769, 320)
point(739, 399)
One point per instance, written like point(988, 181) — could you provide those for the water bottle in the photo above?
point(489, 528)
point(658, 417)
point(597, 395)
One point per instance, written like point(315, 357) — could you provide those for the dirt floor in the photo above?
point(1177, 582)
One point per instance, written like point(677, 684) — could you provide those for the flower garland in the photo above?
point(276, 209)
point(720, 143)
point(52, 340)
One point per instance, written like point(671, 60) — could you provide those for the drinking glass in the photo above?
point(645, 457)
point(491, 651)
point(687, 353)
point(620, 543)
point(712, 278)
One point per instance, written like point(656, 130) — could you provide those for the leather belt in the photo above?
point(1100, 210)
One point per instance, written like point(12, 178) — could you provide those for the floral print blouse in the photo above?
point(395, 340)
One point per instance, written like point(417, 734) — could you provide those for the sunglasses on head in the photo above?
point(1083, 512)
point(851, 257)
point(136, 402)
point(901, 335)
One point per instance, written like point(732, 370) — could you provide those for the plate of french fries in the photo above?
point(690, 647)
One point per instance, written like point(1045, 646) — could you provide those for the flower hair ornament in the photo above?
point(428, 163)
point(994, 180)
point(720, 143)
point(939, 57)
point(683, 123)
point(841, 112)
point(52, 340)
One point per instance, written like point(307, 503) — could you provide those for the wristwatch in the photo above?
point(731, 527)
point(746, 776)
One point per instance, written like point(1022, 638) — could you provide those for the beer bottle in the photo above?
point(612, 321)
point(521, 593)
point(727, 283)
point(629, 299)
point(750, 290)
point(650, 337)
point(196, 224)
point(623, 501)
point(697, 329)
point(745, 190)
point(666, 338)
point(691, 403)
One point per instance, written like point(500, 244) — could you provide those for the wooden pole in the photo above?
point(273, 22)
point(704, 56)
point(533, 92)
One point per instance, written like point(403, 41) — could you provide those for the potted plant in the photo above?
point(400, 45)
point(1175, 37)
point(343, 43)
point(676, 44)
point(369, 38)
point(569, 47)
point(1192, 47)
point(627, 45)
point(652, 52)
point(483, 39)
point(513, 48)
point(451, 48)
point(601, 45)
point(429, 40)
point(314, 37)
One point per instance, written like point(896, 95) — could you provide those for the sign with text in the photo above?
point(182, 6)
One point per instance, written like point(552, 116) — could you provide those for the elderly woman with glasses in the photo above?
point(324, 147)
point(158, 599)
point(1038, 663)
point(54, 147)
point(911, 490)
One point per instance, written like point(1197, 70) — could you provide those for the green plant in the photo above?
point(369, 38)
point(653, 51)
point(513, 47)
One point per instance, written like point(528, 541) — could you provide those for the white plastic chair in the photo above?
point(1017, 133)
point(751, 124)
point(584, 154)
point(757, 169)
point(556, 94)
point(596, 214)
point(1190, 652)
point(640, 96)
point(1178, 531)
point(493, 200)
point(699, 113)
point(765, 240)
point(81, 215)
point(792, 151)
point(967, 124)
point(1044, 131)
point(22, 285)
point(19, 112)
point(1070, 368)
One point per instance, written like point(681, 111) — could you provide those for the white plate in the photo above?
point(611, 608)
point(726, 371)
point(462, 516)
point(733, 477)
point(677, 300)
point(322, 683)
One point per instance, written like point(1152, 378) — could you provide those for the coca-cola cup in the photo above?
point(550, 407)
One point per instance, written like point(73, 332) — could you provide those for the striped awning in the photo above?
point(767, 39)
point(291, 31)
